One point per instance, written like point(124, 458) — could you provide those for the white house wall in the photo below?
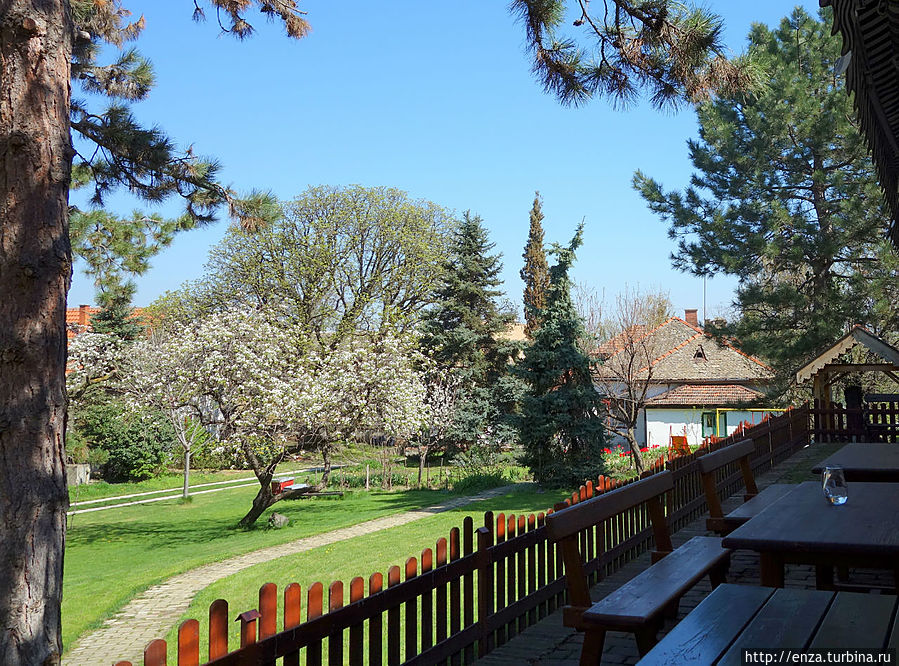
point(662, 423)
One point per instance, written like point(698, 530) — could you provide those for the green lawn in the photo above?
point(113, 555)
point(344, 560)
point(802, 471)
point(174, 480)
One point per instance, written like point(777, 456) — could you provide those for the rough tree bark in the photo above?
point(35, 269)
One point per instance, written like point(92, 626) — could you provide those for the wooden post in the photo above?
point(485, 591)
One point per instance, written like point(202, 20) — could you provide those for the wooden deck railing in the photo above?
point(874, 421)
point(473, 591)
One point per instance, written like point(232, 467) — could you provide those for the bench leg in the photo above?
point(824, 577)
point(671, 609)
point(646, 639)
point(718, 574)
point(843, 573)
point(591, 652)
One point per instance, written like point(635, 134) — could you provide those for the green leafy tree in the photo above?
point(337, 263)
point(466, 332)
point(785, 197)
point(560, 426)
point(666, 49)
point(48, 49)
point(535, 272)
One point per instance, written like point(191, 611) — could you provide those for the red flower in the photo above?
point(644, 450)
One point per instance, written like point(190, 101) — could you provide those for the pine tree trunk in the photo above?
point(35, 269)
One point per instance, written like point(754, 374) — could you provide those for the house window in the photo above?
point(708, 424)
point(700, 354)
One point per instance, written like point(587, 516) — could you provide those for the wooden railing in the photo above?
point(473, 591)
point(875, 421)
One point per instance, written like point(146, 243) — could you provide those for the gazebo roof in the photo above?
point(858, 335)
point(870, 30)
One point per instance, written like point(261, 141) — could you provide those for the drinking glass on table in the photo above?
point(835, 489)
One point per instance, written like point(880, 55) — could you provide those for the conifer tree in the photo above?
point(464, 332)
point(560, 426)
point(535, 272)
point(49, 48)
point(784, 196)
point(667, 49)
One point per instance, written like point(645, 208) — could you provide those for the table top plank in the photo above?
point(787, 621)
point(709, 629)
point(865, 461)
point(737, 617)
point(803, 522)
point(856, 621)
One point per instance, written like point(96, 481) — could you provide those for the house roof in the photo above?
point(858, 335)
point(676, 351)
point(705, 394)
point(870, 32)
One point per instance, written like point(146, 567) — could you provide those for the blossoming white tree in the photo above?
point(161, 372)
point(441, 388)
point(93, 361)
point(252, 378)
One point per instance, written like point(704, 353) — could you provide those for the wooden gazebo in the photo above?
point(826, 368)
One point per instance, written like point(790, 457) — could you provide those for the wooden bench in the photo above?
point(640, 605)
point(754, 501)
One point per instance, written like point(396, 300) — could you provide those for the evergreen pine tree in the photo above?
point(560, 427)
point(784, 196)
point(116, 318)
point(535, 273)
point(465, 333)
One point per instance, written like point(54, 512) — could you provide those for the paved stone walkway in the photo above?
point(153, 613)
point(548, 643)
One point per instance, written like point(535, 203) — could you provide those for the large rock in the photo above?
point(277, 521)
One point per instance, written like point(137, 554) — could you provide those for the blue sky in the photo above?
point(435, 98)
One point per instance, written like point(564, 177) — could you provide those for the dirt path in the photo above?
point(151, 614)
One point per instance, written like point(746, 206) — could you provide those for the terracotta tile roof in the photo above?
point(679, 352)
point(706, 394)
point(620, 341)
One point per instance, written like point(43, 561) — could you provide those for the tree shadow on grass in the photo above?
point(306, 516)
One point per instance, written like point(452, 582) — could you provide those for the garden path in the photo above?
point(151, 614)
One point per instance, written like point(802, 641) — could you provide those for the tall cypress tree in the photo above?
point(465, 332)
point(560, 426)
point(535, 272)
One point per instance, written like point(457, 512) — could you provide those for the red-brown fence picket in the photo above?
point(475, 589)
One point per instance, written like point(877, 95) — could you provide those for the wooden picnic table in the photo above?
point(865, 461)
point(734, 618)
point(801, 527)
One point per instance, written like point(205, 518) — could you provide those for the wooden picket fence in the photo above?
point(877, 420)
point(474, 591)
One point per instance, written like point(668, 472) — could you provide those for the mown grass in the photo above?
point(345, 560)
point(169, 480)
point(802, 471)
point(113, 555)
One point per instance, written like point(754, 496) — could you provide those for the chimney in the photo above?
point(691, 317)
point(83, 315)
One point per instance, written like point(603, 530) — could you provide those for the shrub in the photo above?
point(137, 444)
